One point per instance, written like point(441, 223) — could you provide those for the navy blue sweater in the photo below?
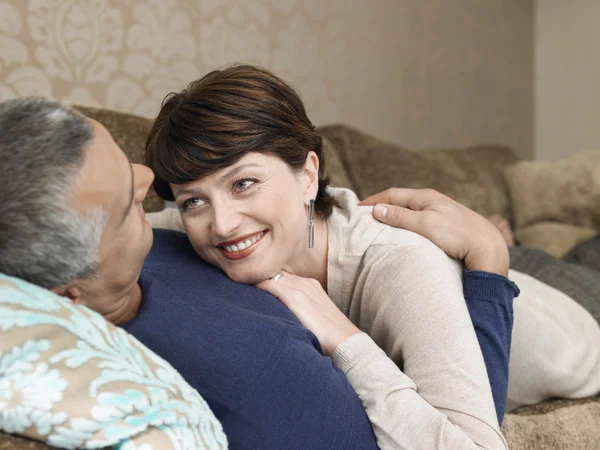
point(262, 373)
point(489, 300)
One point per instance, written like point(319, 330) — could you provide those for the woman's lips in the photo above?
point(242, 253)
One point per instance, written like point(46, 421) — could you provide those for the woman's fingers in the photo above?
point(285, 287)
point(272, 287)
point(314, 309)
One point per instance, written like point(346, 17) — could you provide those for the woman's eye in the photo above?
point(242, 185)
point(192, 203)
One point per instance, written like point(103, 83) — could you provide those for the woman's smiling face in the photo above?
point(249, 219)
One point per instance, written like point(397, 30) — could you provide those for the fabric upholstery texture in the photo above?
point(556, 200)
point(587, 254)
point(70, 378)
point(13, 442)
point(334, 166)
point(554, 425)
point(580, 283)
point(565, 191)
point(553, 237)
point(472, 176)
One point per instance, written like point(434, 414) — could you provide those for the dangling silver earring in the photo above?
point(311, 225)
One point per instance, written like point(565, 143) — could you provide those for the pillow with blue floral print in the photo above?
point(71, 379)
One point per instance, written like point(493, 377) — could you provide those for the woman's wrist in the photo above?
point(330, 347)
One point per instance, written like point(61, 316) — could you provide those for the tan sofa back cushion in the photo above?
point(565, 191)
point(472, 176)
point(556, 204)
point(554, 238)
point(334, 167)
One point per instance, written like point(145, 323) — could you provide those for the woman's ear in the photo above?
point(311, 175)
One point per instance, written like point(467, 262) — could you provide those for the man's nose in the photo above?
point(226, 220)
point(142, 179)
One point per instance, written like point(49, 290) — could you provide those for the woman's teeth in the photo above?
point(243, 245)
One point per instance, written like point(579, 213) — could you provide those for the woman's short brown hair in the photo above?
point(218, 119)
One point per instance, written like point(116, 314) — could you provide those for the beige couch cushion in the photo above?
point(552, 425)
point(554, 238)
point(334, 167)
point(473, 176)
point(555, 425)
point(565, 191)
point(556, 204)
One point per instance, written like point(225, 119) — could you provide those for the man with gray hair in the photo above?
point(72, 222)
point(41, 167)
point(72, 218)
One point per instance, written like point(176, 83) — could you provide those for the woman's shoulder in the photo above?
point(354, 230)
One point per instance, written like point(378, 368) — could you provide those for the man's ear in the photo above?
point(311, 172)
point(68, 291)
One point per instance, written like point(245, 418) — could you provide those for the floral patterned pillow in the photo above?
point(73, 380)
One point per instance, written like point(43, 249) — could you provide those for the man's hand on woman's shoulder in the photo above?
point(456, 229)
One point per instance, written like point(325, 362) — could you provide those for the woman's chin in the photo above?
point(246, 277)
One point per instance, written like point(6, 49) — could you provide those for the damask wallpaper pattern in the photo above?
point(390, 67)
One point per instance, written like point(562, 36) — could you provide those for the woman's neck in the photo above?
point(312, 262)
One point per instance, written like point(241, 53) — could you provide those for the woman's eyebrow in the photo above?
point(234, 171)
point(222, 179)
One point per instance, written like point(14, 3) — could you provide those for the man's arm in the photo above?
point(489, 298)
point(464, 234)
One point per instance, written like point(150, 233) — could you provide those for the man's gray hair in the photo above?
point(43, 238)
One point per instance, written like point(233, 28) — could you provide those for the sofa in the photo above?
point(474, 176)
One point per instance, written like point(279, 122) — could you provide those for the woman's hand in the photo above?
point(312, 306)
point(459, 231)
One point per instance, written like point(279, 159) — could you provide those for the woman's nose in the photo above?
point(226, 221)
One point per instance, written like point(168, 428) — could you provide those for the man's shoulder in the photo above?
point(246, 354)
point(196, 317)
point(174, 277)
point(170, 244)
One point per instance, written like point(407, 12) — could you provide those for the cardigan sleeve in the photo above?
point(489, 298)
point(422, 377)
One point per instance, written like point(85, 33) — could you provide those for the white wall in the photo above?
point(567, 72)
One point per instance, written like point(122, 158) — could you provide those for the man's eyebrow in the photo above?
point(128, 207)
point(226, 176)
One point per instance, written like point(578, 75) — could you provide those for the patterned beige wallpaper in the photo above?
point(422, 74)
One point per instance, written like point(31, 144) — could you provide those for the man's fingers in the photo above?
point(397, 216)
point(386, 196)
point(415, 199)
